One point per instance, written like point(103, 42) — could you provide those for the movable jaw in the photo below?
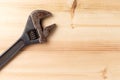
point(34, 30)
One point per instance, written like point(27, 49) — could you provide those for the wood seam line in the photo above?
point(73, 8)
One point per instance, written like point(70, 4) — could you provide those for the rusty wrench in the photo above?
point(33, 33)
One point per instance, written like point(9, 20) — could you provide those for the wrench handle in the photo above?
point(9, 54)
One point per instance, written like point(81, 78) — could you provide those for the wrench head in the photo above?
point(34, 31)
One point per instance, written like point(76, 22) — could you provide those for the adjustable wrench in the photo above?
point(33, 33)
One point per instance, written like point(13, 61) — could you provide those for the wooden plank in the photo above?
point(63, 65)
point(86, 38)
point(85, 46)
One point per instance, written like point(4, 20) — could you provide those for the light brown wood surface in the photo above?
point(85, 46)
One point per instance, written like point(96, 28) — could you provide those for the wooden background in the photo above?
point(85, 46)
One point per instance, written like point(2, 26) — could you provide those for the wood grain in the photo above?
point(85, 46)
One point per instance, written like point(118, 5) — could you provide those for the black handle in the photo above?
point(11, 53)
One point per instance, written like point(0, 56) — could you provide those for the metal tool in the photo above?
point(33, 33)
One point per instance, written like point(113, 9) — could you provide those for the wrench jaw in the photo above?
point(48, 30)
point(34, 31)
point(37, 16)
